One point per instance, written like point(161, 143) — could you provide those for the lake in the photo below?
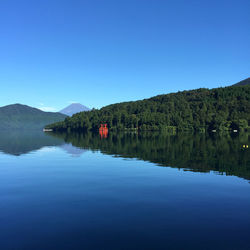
point(126, 191)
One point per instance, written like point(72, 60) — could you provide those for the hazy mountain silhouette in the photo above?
point(73, 109)
point(243, 82)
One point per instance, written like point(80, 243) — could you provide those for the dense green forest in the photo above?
point(200, 110)
point(18, 116)
point(223, 153)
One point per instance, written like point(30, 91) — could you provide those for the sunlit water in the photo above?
point(122, 192)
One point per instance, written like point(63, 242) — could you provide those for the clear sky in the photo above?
point(98, 52)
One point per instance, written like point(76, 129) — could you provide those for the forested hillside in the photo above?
point(201, 109)
point(18, 116)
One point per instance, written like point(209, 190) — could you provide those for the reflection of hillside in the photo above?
point(201, 153)
point(18, 142)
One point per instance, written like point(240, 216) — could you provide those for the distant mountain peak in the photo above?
point(74, 108)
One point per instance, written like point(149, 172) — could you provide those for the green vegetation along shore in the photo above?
point(202, 109)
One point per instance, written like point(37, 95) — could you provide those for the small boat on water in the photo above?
point(47, 129)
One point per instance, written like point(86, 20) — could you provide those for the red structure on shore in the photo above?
point(103, 130)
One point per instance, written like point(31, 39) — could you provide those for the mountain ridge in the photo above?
point(243, 82)
point(20, 116)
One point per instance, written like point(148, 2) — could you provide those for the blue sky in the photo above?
point(99, 52)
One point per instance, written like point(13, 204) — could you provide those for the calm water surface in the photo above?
point(127, 191)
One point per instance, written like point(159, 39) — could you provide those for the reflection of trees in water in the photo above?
point(201, 153)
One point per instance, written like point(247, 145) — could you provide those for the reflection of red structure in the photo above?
point(103, 131)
